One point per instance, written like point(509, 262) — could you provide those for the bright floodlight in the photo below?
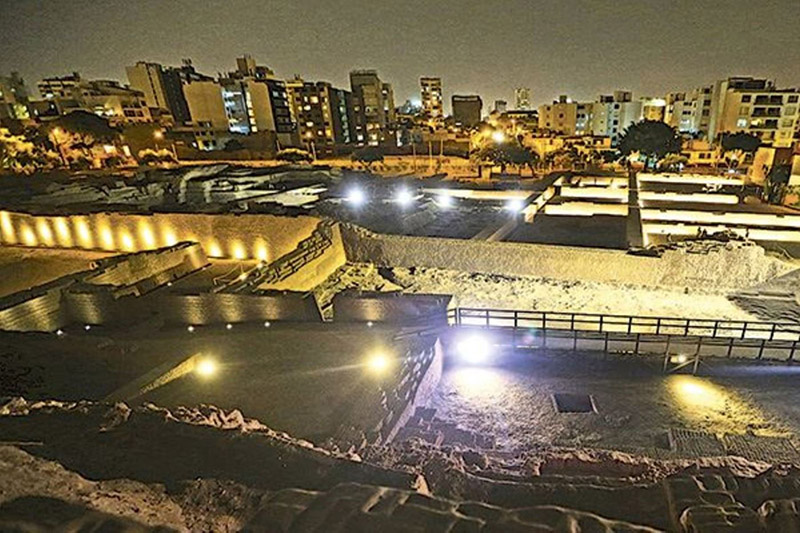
point(267, 324)
point(498, 136)
point(378, 363)
point(474, 349)
point(228, 326)
point(404, 197)
point(206, 367)
point(515, 205)
point(190, 329)
point(87, 327)
point(444, 201)
point(356, 196)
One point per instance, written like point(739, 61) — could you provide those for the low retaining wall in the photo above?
point(734, 268)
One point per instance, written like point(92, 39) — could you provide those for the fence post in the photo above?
point(772, 332)
point(636, 350)
point(630, 320)
point(716, 324)
point(601, 324)
point(487, 318)
point(744, 329)
point(761, 350)
point(791, 354)
point(730, 346)
point(658, 326)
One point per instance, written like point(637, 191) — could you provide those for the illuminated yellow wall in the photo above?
point(261, 237)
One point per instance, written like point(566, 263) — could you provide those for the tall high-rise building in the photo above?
point(522, 98)
point(373, 107)
point(323, 114)
point(467, 110)
point(163, 86)
point(242, 103)
point(432, 102)
point(690, 112)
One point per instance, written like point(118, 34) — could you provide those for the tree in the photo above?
point(651, 138)
point(740, 141)
point(673, 162)
point(153, 157)
point(88, 126)
point(367, 156)
point(294, 155)
point(19, 155)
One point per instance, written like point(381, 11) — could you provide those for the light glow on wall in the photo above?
point(63, 233)
point(28, 236)
point(45, 233)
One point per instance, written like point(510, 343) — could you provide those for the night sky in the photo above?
point(577, 47)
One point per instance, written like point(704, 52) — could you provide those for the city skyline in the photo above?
point(327, 45)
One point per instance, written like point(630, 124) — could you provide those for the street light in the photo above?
point(498, 136)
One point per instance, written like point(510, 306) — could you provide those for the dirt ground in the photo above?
point(636, 404)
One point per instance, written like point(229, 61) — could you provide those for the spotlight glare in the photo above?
point(498, 136)
point(356, 197)
point(206, 367)
point(267, 324)
point(229, 326)
point(87, 327)
point(444, 201)
point(515, 205)
point(190, 329)
point(379, 363)
point(474, 349)
point(404, 197)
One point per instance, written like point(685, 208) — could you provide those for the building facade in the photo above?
point(106, 98)
point(467, 110)
point(612, 114)
point(163, 86)
point(522, 98)
point(373, 108)
point(757, 107)
point(324, 115)
point(432, 98)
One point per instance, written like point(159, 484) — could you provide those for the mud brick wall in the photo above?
point(133, 269)
point(420, 371)
point(201, 309)
point(38, 312)
point(737, 267)
point(258, 237)
point(393, 307)
point(308, 265)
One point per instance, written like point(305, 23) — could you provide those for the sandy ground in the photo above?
point(24, 268)
point(636, 404)
point(532, 293)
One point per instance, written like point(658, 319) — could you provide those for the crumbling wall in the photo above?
point(725, 267)
point(396, 307)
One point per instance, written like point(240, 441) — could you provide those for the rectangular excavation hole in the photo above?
point(567, 402)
